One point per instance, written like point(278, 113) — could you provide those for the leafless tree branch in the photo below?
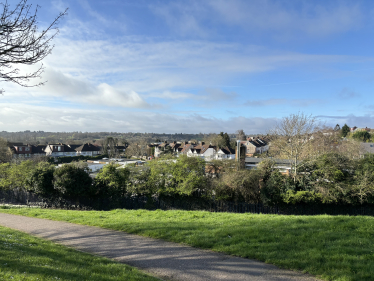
point(22, 43)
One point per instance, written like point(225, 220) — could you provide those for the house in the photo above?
point(283, 165)
point(87, 149)
point(160, 148)
point(175, 145)
point(225, 153)
point(59, 150)
point(21, 150)
point(38, 150)
point(205, 151)
point(353, 129)
point(255, 146)
point(184, 147)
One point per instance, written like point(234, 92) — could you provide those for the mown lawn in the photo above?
point(24, 257)
point(331, 247)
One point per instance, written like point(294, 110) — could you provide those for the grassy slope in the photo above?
point(332, 247)
point(24, 257)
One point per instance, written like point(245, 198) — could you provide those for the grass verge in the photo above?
point(24, 257)
point(331, 247)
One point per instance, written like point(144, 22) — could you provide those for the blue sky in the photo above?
point(199, 66)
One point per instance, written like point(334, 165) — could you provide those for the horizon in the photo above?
point(192, 66)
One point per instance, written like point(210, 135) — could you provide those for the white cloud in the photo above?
point(292, 102)
point(351, 120)
point(69, 88)
point(150, 67)
point(29, 117)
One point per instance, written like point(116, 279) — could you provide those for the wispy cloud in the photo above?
point(282, 18)
point(291, 102)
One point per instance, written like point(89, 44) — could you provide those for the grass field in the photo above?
point(331, 247)
point(24, 257)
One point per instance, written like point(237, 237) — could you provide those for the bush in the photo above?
point(72, 183)
point(40, 181)
point(111, 181)
point(361, 135)
point(239, 186)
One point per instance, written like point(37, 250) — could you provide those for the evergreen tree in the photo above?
point(345, 130)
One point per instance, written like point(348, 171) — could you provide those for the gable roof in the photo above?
point(226, 150)
point(38, 149)
point(186, 147)
point(87, 147)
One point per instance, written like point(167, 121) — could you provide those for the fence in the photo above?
point(19, 196)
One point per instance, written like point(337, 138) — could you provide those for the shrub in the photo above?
point(72, 183)
point(40, 181)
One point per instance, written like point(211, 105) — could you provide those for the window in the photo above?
point(27, 148)
point(20, 149)
point(59, 148)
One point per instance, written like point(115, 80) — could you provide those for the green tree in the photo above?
point(5, 152)
point(169, 176)
point(275, 189)
point(345, 130)
point(361, 135)
point(14, 175)
point(72, 183)
point(189, 174)
point(40, 181)
point(225, 140)
point(112, 181)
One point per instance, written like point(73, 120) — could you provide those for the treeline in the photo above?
point(330, 179)
point(41, 137)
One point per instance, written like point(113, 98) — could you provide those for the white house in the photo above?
point(59, 150)
point(205, 151)
point(225, 153)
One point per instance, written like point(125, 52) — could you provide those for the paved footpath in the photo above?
point(166, 260)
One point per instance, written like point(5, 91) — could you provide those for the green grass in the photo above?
point(331, 247)
point(24, 257)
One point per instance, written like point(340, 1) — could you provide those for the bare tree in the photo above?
point(21, 43)
point(364, 188)
point(240, 135)
point(109, 147)
point(291, 138)
point(138, 149)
